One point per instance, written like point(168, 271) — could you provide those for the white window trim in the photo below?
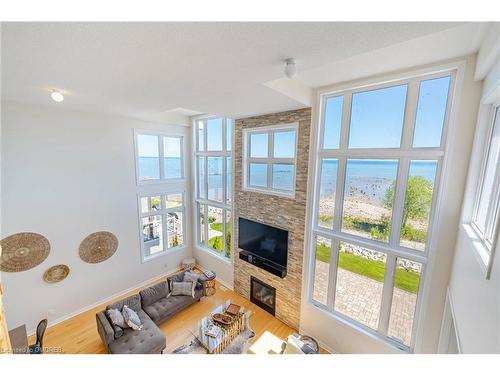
point(485, 243)
point(163, 213)
point(226, 207)
point(160, 136)
point(456, 70)
point(269, 160)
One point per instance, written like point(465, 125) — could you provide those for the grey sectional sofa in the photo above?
point(153, 307)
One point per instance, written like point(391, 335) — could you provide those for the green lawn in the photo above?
point(406, 280)
point(216, 243)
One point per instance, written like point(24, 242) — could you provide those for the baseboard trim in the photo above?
point(103, 300)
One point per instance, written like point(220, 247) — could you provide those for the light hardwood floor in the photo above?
point(78, 335)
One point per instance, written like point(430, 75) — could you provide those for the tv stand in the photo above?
point(262, 263)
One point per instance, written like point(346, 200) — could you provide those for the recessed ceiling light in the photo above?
point(57, 96)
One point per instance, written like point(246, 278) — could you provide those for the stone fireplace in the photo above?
point(277, 211)
point(263, 295)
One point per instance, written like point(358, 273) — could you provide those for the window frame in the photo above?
point(198, 200)
point(163, 213)
point(404, 154)
point(161, 152)
point(486, 240)
point(270, 160)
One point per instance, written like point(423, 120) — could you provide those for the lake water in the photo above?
point(370, 178)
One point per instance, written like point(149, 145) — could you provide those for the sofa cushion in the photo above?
point(166, 307)
point(148, 340)
point(134, 302)
point(152, 294)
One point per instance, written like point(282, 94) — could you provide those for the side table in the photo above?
point(210, 284)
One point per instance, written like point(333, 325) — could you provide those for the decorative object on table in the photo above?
point(233, 309)
point(210, 275)
point(37, 347)
point(209, 283)
point(212, 330)
point(97, 247)
point(188, 263)
point(56, 273)
point(234, 339)
point(222, 319)
point(23, 251)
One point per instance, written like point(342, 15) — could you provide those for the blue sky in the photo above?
point(377, 116)
point(148, 146)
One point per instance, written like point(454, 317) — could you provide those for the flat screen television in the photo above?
point(264, 241)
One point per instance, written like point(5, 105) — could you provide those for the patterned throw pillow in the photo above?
point(116, 318)
point(131, 318)
point(183, 288)
point(193, 277)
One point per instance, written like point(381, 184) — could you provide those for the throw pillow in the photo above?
point(193, 277)
point(183, 288)
point(131, 318)
point(118, 331)
point(116, 318)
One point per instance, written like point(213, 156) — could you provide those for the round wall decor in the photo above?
point(56, 273)
point(23, 251)
point(98, 247)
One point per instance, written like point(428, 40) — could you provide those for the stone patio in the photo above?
point(359, 298)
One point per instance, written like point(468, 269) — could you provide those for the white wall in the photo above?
point(67, 174)
point(223, 268)
point(476, 300)
point(338, 335)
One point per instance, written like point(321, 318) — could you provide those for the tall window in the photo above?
point(379, 154)
point(270, 158)
point(158, 157)
point(162, 223)
point(214, 184)
point(487, 205)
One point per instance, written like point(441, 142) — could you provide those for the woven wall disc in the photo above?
point(98, 247)
point(56, 273)
point(23, 251)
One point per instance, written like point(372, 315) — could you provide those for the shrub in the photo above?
point(412, 234)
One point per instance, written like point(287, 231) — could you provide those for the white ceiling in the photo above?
point(144, 69)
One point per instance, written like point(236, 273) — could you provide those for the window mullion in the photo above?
point(270, 156)
point(346, 119)
point(161, 153)
point(164, 217)
point(332, 274)
point(387, 292)
point(410, 114)
point(339, 194)
point(205, 177)
point(399, 200)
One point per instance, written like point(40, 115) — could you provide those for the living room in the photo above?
point(249, 187)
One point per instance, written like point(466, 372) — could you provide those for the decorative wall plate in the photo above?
point(98, 246)
point(23, 251)
point(56, 273)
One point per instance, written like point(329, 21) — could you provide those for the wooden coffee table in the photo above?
point(228, 333)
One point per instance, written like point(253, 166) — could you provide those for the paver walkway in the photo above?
point(359, 297)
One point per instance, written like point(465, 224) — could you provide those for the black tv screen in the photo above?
point(264, 241)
